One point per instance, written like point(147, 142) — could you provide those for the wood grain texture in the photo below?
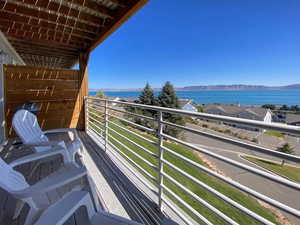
point(83, 77)
point(56, 92)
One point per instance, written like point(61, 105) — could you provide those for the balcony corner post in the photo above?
point(161, 156)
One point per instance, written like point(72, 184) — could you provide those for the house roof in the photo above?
point(292, 118)
point(53, 33)
point(237, 111)
point(182, 102)
point(132, 100)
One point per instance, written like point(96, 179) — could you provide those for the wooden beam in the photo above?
point(30, 20)
point(41, 12)
point(107, 32)
point(42, 51)
point(50, 29)
point(33, 44)
point(29, 39)
point(83, 84)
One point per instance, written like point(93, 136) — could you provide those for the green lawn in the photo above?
point(274, 133)
point(222, 187)
point(291, 172)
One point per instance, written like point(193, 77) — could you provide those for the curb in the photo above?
point(270, 171)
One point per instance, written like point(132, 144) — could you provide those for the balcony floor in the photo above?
point(117, 194)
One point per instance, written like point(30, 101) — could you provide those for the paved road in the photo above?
point(267, 187)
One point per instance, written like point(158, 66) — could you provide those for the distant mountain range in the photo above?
point(241, 87)
point(233, 87)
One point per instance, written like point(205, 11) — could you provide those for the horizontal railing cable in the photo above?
point(96, 107)
point(177, 211)
point(96, 110)
point(133, 133)
point(97, 124)
point(131, 160)
point(236, 184)
point(91, 129)
point(132, 114)
point(215, 192)
point(186, 205)
point(130, 169)
point(237, 142)
point(149, 164)
point(270, 176)
point(134, 143)
point(132, 123)
point(252, 123)
point(98, 116)
point(198, 199)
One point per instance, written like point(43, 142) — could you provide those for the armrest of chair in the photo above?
point(37, 156)
point(62, 210)
point(62, 130)
point(46, 143)
point(53, 181)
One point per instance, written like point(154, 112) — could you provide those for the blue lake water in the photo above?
point(277, 97)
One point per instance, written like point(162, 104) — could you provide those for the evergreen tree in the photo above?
point(100, 94)
point(269, 106)
point(168, 98)
point(284, 107)
point(147, 96)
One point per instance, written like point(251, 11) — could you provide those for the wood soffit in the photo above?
point(53, 33)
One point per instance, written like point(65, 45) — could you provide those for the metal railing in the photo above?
point(102, 116)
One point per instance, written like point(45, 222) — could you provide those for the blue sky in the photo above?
point(205, 42)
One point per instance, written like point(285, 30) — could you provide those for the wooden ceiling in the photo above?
point(52, 33)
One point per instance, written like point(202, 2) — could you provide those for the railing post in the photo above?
point(106, 123)
point(160, 162)
point(86, 113)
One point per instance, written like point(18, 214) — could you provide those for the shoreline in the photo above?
point(247, 98)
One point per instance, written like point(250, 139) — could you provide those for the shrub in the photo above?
point(286, 148)
point(227, 131)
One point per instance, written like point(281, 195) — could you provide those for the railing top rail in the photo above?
point(252, 123)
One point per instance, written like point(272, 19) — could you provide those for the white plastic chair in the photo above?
point(27, 128)
point(35, 195)
point(62, 210)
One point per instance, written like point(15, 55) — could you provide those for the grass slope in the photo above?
point(222, 187)
point(291, 172)
point(274, 133)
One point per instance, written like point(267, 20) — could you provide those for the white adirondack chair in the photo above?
point(27, 128)
point(35, 195)
point(62, 210)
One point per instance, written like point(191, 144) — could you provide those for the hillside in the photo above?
point(241, 87)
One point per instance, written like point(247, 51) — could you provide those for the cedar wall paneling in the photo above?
point(55, 91)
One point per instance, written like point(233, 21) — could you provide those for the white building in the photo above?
point(188, 105)
point(251, 113)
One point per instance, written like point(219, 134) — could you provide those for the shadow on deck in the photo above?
point(119, 194)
